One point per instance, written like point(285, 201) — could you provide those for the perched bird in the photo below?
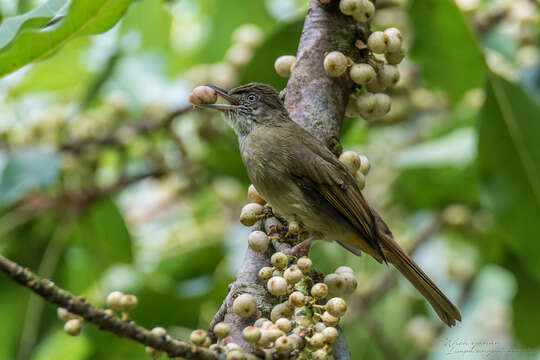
point(304, 181)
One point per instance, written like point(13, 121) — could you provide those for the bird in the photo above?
point(303, 181)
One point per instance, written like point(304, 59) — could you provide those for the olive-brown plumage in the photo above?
point(303, 181)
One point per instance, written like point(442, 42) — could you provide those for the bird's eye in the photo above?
point(252, 97)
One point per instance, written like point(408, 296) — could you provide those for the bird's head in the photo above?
point(250, 105)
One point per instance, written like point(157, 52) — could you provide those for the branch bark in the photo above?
point(80, 306)
point(317, 102)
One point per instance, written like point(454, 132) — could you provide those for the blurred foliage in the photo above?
point(102, 189)
point(445, 47)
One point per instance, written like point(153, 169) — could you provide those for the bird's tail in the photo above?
point(446, 310)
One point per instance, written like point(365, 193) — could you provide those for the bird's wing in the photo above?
point(319, 171)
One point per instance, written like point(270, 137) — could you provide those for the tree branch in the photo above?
point(316, 102)
point(80, 306)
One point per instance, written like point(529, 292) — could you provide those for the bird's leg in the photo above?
point(302, 248)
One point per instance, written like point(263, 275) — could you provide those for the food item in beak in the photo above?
point(203, 95)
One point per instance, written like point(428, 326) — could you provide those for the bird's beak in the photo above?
point(233, 102)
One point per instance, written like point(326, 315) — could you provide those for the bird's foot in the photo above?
point(302, 248)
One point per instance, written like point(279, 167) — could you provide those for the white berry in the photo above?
point(335, 64)
point(293, 274)
point(159, 331)
point(283, 345)
point(384, 103)
point(198, 337)
point(251, 334)
point(277, 286)
point(129, 303)
point(221, 329)
point(317, 340)
point(265, 273)
point(279, 260)
point(329, 319)
point(330, 334)
point(336, 307)
point(251, 213)
point(351, 160)
point(365, 164)
point(284, 324)
point(203, 95)
point(319, 290)
point(258, 241)
point(344, 270)
point(113, 300)
point(394, 58)
point(377, 42)
point(366, 103)
point(304, 263)
point(73, 327)
point(389, 75)
point(362, 73)
point(365, 13)
point(253, 196)
point(349, 7)
point(336, 283)
point(297, 299)
point(284, 65)
point(244, 305)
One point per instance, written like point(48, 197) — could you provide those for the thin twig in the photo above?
point(119, 138)
point(80, 306)
point(82, 198)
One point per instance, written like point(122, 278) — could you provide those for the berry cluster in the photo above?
point(373, 75)
point(358, 166)
point(309, 306)
point(304, 320)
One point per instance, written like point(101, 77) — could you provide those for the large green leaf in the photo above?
point(509, 159)
point(525, 305)
point(283, 41)
point(435, 187)
point(99, 239)
point(36, 17)
point(27, 169)
point(103, 232)
point(445, 47)
point(84, 17)
point(152, 21)
point(59, 345)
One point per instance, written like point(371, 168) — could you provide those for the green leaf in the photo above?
point(525, 305)
point(27, 169)
point(509, 160)
point(197, 261)
point(59, 345)
point(99, 239)
point(83, 18)
point(36, 17)
point(435, 187)
point(103, 232)
point(283, 41)
point(12, 311)
point(445, 47)
point(152, 21)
